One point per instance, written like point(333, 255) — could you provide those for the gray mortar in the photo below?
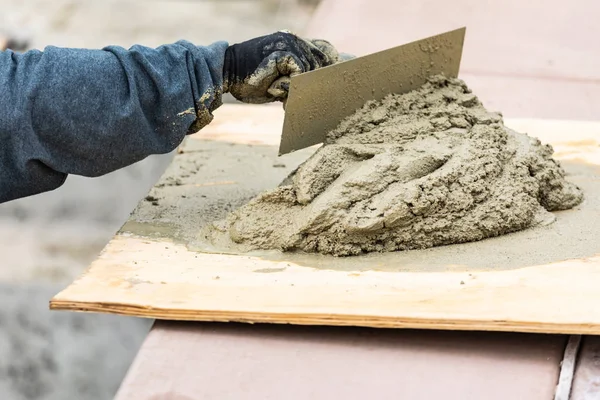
point(186, 204)
point(423, 169)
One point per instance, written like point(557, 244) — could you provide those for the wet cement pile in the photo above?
point(431, 167)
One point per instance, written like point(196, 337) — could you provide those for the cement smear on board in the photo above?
point(423, 169)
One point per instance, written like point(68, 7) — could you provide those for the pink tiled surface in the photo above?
point(532, 58)
point(186, 361)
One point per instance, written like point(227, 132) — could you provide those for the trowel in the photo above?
point(319, 100)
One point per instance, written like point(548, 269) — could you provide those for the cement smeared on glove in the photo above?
point(428, 168)
point(274, 78)
point(281, 87)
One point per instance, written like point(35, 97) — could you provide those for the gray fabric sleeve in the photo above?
point(90, 112)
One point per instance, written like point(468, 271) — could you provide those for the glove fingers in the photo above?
point(259, 70)
point(267, 70)
point(327, 54)
point(280, 88)
point(258, 83)
point(289, 64)
point(270, 81)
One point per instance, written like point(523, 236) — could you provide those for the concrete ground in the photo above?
point(48, 240)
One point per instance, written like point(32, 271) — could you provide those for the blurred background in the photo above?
point(48, 240)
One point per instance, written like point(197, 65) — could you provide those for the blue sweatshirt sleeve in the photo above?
point(90, 112)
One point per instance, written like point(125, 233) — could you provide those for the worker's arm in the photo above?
point(90, 112)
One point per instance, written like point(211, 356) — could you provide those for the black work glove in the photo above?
point(259, 70)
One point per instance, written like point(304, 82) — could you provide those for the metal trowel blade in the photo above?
point(319, 100)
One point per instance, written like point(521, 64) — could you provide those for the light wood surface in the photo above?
point(159, 278)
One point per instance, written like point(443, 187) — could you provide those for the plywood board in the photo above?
point(156, 273)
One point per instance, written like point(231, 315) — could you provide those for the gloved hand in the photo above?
point(259, 70)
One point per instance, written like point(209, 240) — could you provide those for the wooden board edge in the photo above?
point(325, 319)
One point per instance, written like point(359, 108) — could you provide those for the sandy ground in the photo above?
point(48, 240)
